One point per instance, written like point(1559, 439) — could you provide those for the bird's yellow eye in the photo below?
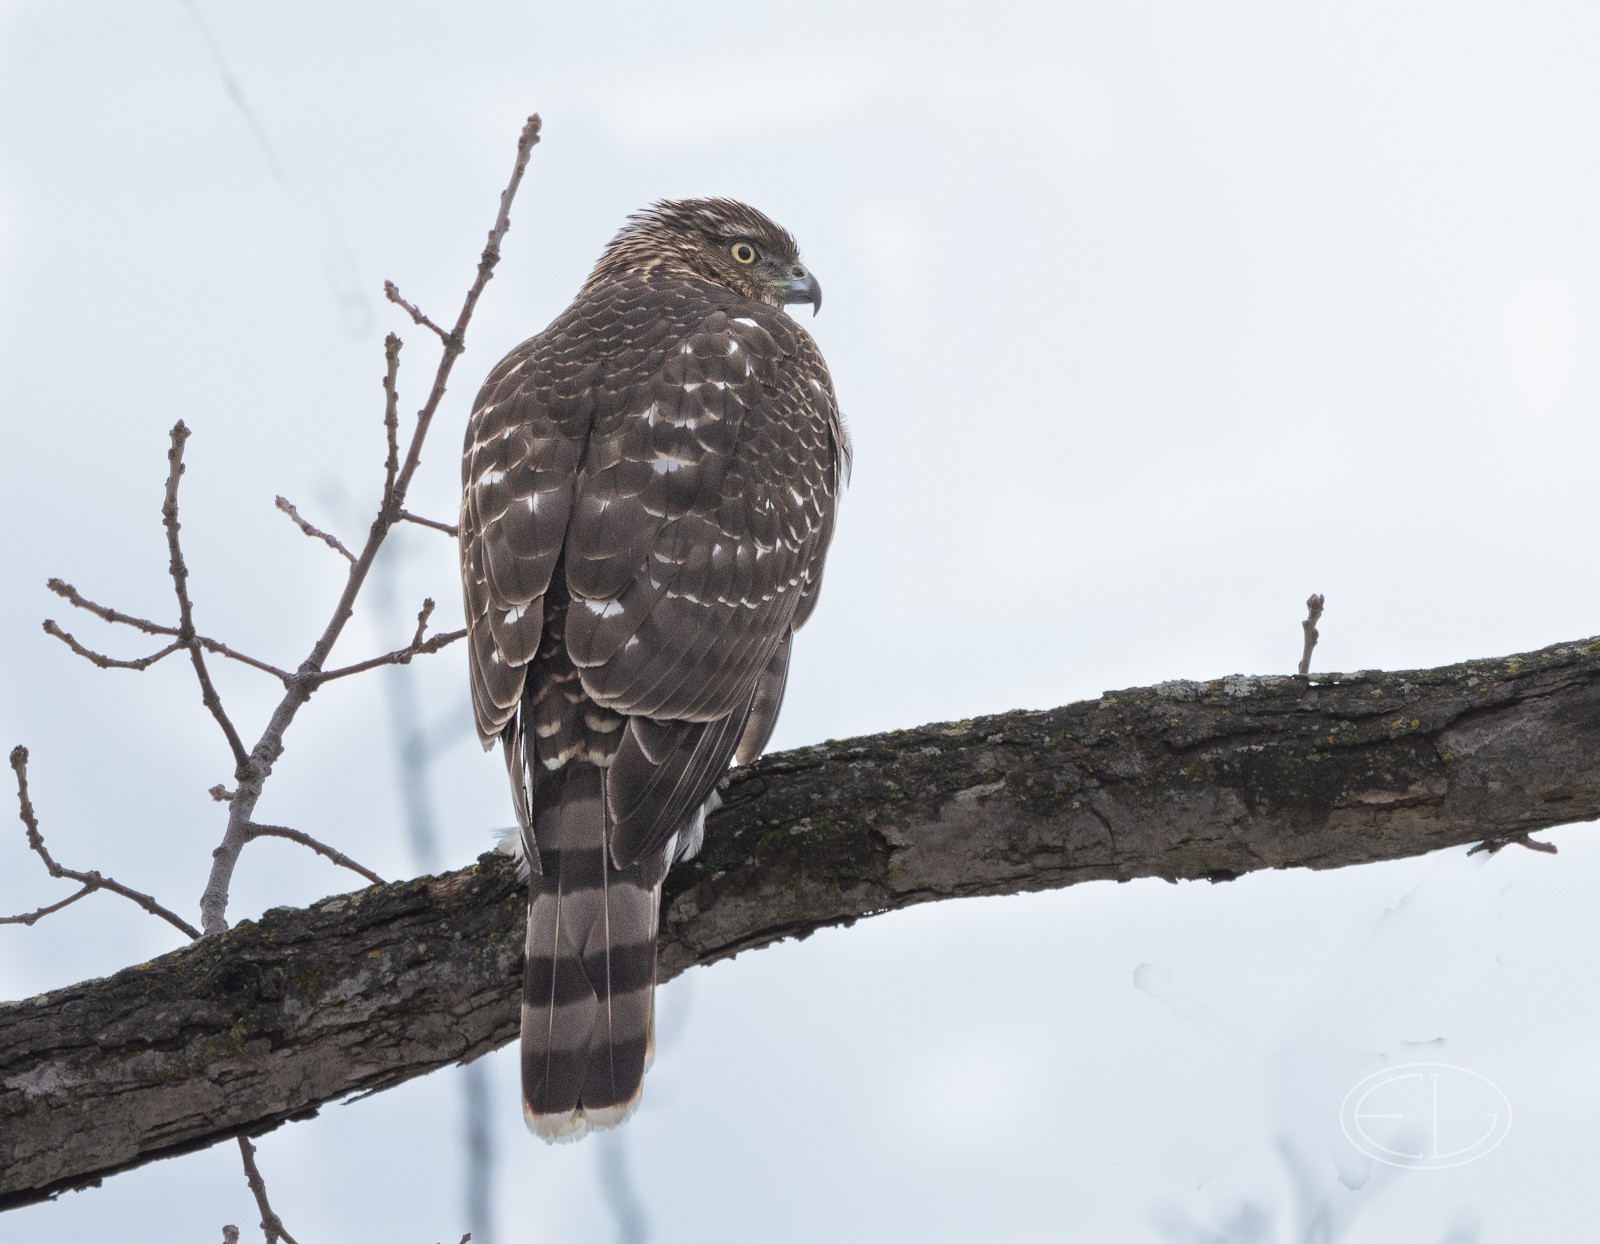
point(744, 252)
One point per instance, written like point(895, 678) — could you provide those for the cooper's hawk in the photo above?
point(649, 489)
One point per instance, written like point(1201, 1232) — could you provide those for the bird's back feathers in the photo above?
point(649, 489)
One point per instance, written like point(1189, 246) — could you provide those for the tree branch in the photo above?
point(1314, 605)
point(391, 415)
point(271, 1225)
point(78, 600)
point(391, 291)
point(243, 1031)
point(88, 881)
point(400, 656)
point(71, 594)
point(257, 766)
point(316, 533)
point(180, 584)
point(100, 659)
point(449, 529)
point(321, 848)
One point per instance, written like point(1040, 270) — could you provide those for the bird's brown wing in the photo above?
point(699, 529)
point(679, 454)
point(517, 475)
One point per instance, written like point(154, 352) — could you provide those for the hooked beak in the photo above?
point(803, 288)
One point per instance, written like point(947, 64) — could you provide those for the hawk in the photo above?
point(648, 493)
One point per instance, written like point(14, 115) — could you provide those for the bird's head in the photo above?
point(720, 240)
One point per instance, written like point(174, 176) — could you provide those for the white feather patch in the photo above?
point(562, 1129)
point(508, 841)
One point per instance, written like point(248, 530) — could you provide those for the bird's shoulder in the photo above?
point(640, 329)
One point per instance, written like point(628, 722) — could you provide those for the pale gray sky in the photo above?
point(1149, 319)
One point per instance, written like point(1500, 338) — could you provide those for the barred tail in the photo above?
point(588, 988)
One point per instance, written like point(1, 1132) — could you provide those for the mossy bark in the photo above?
point(265, 1023)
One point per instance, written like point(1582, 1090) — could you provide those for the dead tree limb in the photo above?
point(244, 1030)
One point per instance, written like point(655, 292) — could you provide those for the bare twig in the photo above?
point(222, 650)
point(316, 533)
point(271, 1224)
point(1313, 613)
point(298, 689)
point(449, 529)
point(144, 662)
point(90, 881)
point(103, 661)
point(221, 793)
point(180, 584)
point(230, 1235)
point(391, 414)
point(392, 292)
point(1494, 845)
point(40, 913)
point(321, 848)
point(71, 594)
point(400, 656)
point(423, 615)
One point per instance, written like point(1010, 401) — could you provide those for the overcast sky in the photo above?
point(1148, 319)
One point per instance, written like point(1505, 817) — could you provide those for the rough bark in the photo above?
point(242, 1031)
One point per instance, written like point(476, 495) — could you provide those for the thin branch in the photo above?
point(180, 584)
point(271, 1224)
point(222, 650)
point(423, 615)
point(103, 661)
point(392, 292)
point(210, 645)
point(71, 594)
point(400, 656)
point(1309, 626)
point(316, 533)
point(309, 676)
point(230, 1235)
point(90, 881)
point(321, 848)
point(391, 414)
point(1495, 845)
point(449, 529)
point(33, 917)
